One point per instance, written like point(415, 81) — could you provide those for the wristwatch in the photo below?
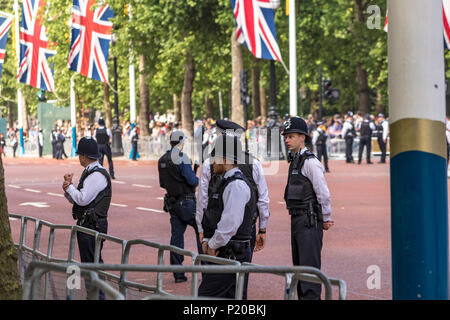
point(262, 231)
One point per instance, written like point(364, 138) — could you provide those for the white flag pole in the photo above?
point(19, 93)
point(292, 61)
point(73, 117)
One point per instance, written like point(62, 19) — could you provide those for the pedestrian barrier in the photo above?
point(118, 286)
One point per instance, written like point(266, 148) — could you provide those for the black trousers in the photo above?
point(182, 214)
point(322, 151)
point(40, 150)
point(86, 245)
point(135, 146)
point(223, 285)
point(349, 149)
point(367, 142)
point(383, 149)
point(306, 245)
point(58, 151)
point(105, 149)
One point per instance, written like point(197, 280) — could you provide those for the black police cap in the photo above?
point(101, 121)
point(296, 125)
point(88, 147)
point(177, 136)
point(228, 125)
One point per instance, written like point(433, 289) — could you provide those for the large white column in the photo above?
point(292, 61)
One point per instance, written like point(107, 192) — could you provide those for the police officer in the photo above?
point(349, 133)
point(365, 138)
point(320, 141)
point(382, 134)
point(53, 140)
point(103, 136)
point(228, 220)
point(134, 137)
point(309, 204)
point(90, 199)
point(179, 180)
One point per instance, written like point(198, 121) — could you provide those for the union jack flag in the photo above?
point(91, 36)
point(34, 68)
point(255, 25)
point(5, 25)
point(445, 22)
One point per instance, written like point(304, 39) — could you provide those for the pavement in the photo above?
point(358, 243)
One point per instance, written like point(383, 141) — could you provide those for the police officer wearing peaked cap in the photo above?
point(103, 136)
point(179, 180)
point(91, 199)
point(308, 202)
point(229, 217)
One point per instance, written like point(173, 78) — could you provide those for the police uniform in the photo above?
point(179, 180)
point(91, 200)
point(252, 170)
point(228, 221)
point(320, 141)
point(382, 134)
point(349, 133)
point(103, 136)
point(134, 141)
point(308, 202)
point(365, 138)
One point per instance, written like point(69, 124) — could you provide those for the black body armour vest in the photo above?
point(213, 212)
point(365, 129)
point(380, 130)
point(350, 133)
point(299, 193)
point(321, 139)
point(101, 136)
point(171, 179)
point(247, 170)
point(101, 203)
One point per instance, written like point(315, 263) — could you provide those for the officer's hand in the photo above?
point(327, 225)
point(68, 177)
point(212, 252)
point(205, 247)
point(66, 185)
point(200, 235)
point(260, 241)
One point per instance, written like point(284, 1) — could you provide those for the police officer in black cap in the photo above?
point(319, 139)
point(179, 180)
point(103, 136)
point(365, 138)
point(229, 218)
point(308, 201)
point(382, 134)
point(90, 199)
point(349, 133)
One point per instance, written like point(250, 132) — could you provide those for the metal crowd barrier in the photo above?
point(45, 262)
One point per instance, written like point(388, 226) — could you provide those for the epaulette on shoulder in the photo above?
point(308, 154)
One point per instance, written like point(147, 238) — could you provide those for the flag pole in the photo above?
point(19, 92)
point(132, 80)
point(292, 61)
point(73, 117)
point(418, 166)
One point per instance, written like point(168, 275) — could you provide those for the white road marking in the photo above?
point(119, 205)
point(13, 186)
point(141, 186)
point(147, 209)
point(160, 198)
point(35, 204)
point(32, 190)
point(119, 182)
point(55, 194)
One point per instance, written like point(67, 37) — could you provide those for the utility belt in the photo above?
point(314, 213)
point(233, 249)
point(169, 201)
point(87, 218)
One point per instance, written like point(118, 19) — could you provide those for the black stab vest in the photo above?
point(102, 136)
point(213, 212)
point(171, 179)
point(101, 203)
point(299, 193)
point(365, 131)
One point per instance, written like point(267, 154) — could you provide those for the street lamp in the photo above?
point(117, 147)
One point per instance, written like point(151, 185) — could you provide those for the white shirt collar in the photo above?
point(231, 172)
point(92, 165)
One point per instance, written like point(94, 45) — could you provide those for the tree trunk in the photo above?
point(144, 98)
point(255, 88)
point(9, 106)
point(176, 108)
point(186, 100)
point(263, 101)
point(237, 62)
point(209, 107)
point(107, 106)
point(379, 108)
point(361, 77)
point(10, 288)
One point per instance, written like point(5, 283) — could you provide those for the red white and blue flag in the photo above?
point(255, 24)
point(90, 39)
point(445, 21)
point(34, 68)
point(5, 25)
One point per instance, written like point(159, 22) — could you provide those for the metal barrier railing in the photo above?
point(291, 274)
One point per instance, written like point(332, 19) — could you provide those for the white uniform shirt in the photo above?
point(448, 131)
point(235, 197)
point(314, 171)
point(385, 126)
point(348, 126)
point(316, 134)
point(260, 181)
point(92, 186)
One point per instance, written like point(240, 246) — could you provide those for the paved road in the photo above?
point(360, 202)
